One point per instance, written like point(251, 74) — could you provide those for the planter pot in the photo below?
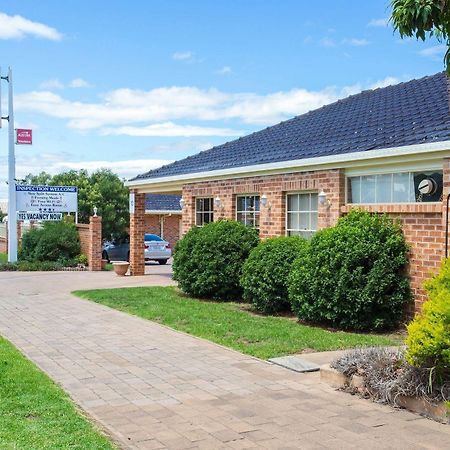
point(104, 262)
point(121, 267)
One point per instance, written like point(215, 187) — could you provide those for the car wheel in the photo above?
point(105, 255)
point(162, 261)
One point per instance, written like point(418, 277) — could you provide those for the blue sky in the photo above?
point(133, 85)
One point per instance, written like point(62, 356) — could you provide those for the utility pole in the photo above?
point(12, 210)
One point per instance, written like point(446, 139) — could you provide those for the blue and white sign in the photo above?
point(46, 199)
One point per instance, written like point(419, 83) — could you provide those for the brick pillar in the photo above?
point(95, 243)
point(137, 232)
point(188, 213)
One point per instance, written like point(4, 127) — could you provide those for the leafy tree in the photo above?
point(422, 18)
point(102, 189)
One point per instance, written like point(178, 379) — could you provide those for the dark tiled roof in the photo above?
point(408, 113)
point(162, 202)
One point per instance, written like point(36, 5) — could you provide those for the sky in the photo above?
point(134, 85)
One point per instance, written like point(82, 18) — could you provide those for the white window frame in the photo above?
point(411, 172)
point(204, 212)
point(310, 230)
point(255, 213)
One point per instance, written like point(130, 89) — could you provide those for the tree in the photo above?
point(102, 189)
point(422, 19)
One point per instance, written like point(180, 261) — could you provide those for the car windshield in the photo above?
point(152, 237)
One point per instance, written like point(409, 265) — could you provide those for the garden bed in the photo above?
point(384, 376)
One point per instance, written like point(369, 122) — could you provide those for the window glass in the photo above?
point(204, 211)
point(152, 237)
point(247, 210)
point(302, 214)
point(368, 185)
point(396, 188)
point(384, 188)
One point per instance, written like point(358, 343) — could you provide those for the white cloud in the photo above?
point(51, 84)
point(170, 129)
point(79, 83)
point(225, 70)
point(183, 56)
point(388, 81)
point(54, 163)
point(356, 42)
point(437, 52)
point(379, 22)
point(141, 112)
point(17, 27)
point(327, 42)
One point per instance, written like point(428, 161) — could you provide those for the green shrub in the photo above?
point(353, 275)
point(428, 340)
point(208, 261)
point(82, 259)
point(55, 241)
point(265, 273)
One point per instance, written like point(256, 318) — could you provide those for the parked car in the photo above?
point(116, 250)
point(156, 249)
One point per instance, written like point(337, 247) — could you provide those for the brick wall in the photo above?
point(170, 227)
point(83, 233)
point(423, 224)
point(273, 218)
point(91, 241)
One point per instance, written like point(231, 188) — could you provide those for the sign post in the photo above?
point(12, 216)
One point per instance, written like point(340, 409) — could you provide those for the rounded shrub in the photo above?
point(265, 273)
point(428, 340)
point(353, 275)
point(208, 261)
point(55, 241)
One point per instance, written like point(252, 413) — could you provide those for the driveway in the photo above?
point(152, 387)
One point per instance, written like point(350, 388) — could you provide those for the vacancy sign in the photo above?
point(24, 136)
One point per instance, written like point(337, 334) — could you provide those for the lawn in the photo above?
point(35, 413)
point(3, 258)
point(230, 324)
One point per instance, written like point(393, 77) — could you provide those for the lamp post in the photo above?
point(12, 210)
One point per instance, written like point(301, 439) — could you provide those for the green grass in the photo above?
point(37, 414)
point(3, 258)
point(230, 324)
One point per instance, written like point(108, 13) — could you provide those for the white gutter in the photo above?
point(162, 211)
point(337, 161)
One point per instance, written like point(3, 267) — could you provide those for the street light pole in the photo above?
point(12, 210)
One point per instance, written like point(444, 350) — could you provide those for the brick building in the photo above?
point(385, 150)
point(163, 216)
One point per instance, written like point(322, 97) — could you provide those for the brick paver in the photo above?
point(155, 388)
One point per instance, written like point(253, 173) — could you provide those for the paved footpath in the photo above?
point(151, 387)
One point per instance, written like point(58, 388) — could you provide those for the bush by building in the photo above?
point(353, 275)
point(265, 273)
point(428, 340)
point(55, 241)
point(208, 261)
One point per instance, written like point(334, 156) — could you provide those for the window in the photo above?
point(247, 210)
point(204, 211)
point(400, 187)
point(302, 213)
point(152, 237)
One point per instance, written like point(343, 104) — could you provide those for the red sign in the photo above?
point(24, 136)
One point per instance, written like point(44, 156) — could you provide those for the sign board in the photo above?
point(132, 203)
point(46, 199)
point(24, 136)
point(32, 215)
